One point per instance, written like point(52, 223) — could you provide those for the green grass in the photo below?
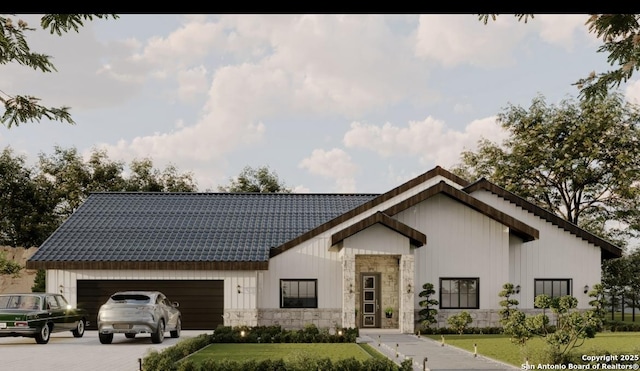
point(501, 348)
point(287, 351)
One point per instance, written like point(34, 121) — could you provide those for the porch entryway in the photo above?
point(379, 290)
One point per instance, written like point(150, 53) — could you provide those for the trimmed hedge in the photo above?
point(172, 358)
point(619, 326)
point(306, 364)
point(468, 330)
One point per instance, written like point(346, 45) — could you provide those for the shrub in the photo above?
point(39, 283)
point(460, 321)
point(9, 266)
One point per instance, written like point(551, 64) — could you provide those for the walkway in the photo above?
point(427, 352)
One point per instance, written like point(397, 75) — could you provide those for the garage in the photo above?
point(201, 301)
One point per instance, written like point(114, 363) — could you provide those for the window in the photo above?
point(52, 303)
point(301, 293)
point(459, 293)
point(554, 288)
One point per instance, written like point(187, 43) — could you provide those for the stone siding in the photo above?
point(298, 318)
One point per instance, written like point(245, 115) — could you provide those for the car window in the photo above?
point(9, 302)
point(130, 298)
point(62, 301)
point(29, 302)
point(52, 303)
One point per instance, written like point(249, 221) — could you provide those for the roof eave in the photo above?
point(609, 250)
point(149, 265)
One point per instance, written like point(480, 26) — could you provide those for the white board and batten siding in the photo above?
point(65, 281)
point(309, 260)
point(557, 254)
point(461, 243)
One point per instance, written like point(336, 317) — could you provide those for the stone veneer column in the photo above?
point(407, 294)
point(348, 291)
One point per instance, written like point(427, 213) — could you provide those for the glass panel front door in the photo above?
point(370, 299)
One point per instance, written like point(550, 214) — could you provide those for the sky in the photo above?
point(331, 103)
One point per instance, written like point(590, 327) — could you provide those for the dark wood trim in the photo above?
point(166, 265)
point(520, 229)
point(416, 237)
point(436, 171)
point(609, 250)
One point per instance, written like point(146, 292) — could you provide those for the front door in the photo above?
point(370, 299)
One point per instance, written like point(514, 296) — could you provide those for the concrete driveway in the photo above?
point(66, 353)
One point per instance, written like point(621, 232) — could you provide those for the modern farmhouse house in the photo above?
point(333, 260)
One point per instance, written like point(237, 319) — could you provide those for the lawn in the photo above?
point(286, 351)
point(501, 348)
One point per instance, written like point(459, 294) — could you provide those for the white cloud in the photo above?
point(298, 65)
point(454, 40)
point(429, 140)
point(561, 29)
point(334, 164)
point(192, 83)
point(462, 39)
point(632, 91)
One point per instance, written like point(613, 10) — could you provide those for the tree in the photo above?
point(26, 207)
point(73, 178)
point(507, 303)
point(261, 180)
point(14, 48)
point(573, 326)
point(40, 281)
point(634, 281)
point(599, 302)
point(428, 312)
point(144, 178)
point(619, 35)
point(615, 278)
point(576, 159)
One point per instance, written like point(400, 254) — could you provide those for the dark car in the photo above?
point(38, 315)
point(138, 312)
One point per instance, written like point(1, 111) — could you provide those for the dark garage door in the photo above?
point(201, 302)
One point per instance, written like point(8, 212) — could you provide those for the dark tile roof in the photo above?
point(126, 229)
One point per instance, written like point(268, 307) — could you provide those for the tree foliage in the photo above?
point(620, 35)
point(572, 327)
point(9, 267)
point(621, 281)
point(577, 159)
point(14, 48)
point(260, 180)
point(26, 207)
point(508, 304)
point(460, 321)
point(427, 315)
point(34, 201)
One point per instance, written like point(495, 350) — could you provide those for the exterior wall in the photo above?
point(558, 254)
point(239, 308)
point(335, 272)
point(461, 243)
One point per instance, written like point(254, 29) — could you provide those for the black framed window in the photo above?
point(298, 293)
point(554, 288)
point(460, 293)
